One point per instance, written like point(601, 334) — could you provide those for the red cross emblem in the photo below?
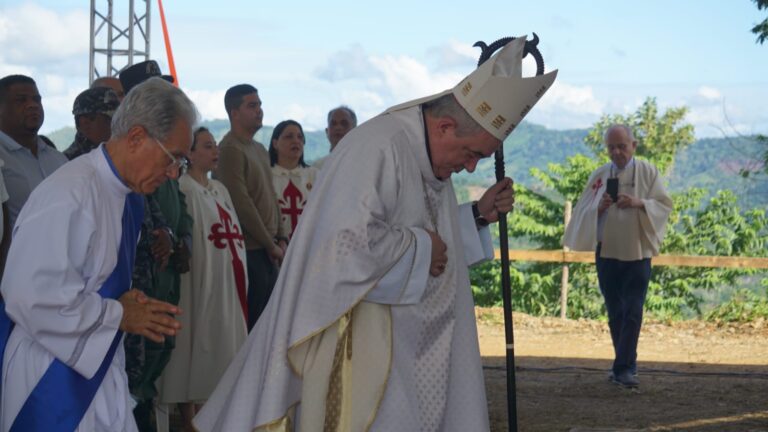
point(227, 234)
point(596, 188)
point(292, 203)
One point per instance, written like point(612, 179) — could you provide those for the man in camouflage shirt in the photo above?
point(93, 111)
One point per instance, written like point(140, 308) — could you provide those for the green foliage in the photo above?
point(716, 227)
point(744, 306)
point(659, 138)
point(761, 29)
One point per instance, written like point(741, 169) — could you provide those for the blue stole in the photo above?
point(62, 396)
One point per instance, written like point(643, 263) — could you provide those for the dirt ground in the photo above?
point(694, 376)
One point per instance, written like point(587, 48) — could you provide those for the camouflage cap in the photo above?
point(96, 100)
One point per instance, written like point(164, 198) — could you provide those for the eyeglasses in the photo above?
point(176, 163)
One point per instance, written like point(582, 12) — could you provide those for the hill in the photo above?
point(711, 163)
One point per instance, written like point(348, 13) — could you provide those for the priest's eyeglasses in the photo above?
point(176, 163)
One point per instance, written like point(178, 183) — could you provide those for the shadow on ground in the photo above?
point(562, 394)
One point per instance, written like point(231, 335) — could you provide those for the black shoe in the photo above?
point(610, 374)
point(625, 379)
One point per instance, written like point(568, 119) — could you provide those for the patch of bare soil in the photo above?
point(694, 376)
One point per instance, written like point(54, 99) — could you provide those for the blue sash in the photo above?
point(62, 396)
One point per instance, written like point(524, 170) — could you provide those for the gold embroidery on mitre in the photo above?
point(466, 89)
point(510, 129)
point(484, 109)
point(525, 110)
point(498, 121)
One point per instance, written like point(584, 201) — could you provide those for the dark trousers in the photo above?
point(624, 285)
point(262, 275)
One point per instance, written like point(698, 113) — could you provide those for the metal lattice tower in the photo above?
point(117, 45)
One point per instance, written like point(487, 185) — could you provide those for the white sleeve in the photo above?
point(406, 281)
point(477, 243)
point(44, 287)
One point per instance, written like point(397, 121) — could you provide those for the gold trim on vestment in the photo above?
point(389, 371)
point(343, 411)
point(336, 399)
point(354, 304)
point(283, 424)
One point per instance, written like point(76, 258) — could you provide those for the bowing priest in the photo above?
point(67, 286)
point(371, 325)
point(622, 216)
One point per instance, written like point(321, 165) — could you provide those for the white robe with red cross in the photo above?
point(629, 234)
point(213, 296)
point(292, 187)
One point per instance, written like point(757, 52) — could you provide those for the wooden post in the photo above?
point(564, 281)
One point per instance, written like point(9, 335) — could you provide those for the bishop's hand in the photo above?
point(439, 255)
point(499, 198)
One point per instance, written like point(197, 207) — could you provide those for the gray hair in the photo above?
point(349, 111)
point(625, 128)
point(156, 105)
point(448, 106)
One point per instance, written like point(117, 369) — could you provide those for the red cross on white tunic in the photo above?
point(227, 234)
point(292, 203)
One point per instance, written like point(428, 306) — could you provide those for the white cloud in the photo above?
point(307, 115)
point(210, 103)
point(392, 79)
point(567, 106)
point(454, 54)
point(30, 34)
point(572, 98)
point(709, 93)
point(405, 78)
point(361, 97)
point(350, 63)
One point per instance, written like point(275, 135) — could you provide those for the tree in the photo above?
point(696, 227)
point(761, 30)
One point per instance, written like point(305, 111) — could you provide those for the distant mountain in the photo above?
point(62, 137)
point(711, 163)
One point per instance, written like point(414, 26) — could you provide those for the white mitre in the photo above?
point(496, 95)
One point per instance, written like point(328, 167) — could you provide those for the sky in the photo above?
point(306, 57)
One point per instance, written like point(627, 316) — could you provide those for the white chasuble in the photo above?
point(77, 214)
point(292, 188)
point(213, 296)
point(357, 336)
point(628, 234)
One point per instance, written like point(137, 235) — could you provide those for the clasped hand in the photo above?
point(624, 201)
point(148, 317)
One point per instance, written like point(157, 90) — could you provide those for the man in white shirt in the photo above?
point(625, 225)
point(28, 158)
point(67, 289)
